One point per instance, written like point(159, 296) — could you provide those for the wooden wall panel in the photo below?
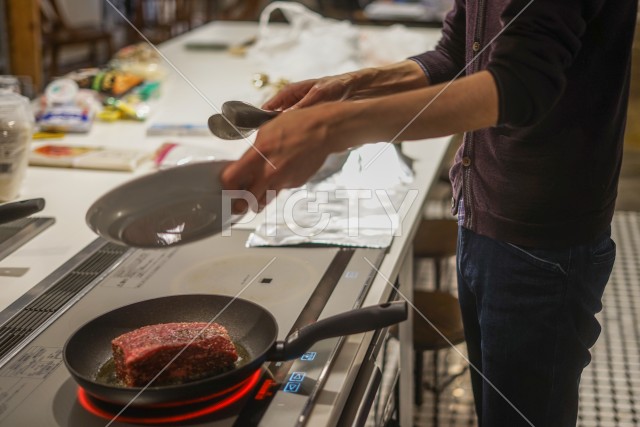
point(25, 40)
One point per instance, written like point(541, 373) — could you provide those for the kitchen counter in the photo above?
point(217, 77)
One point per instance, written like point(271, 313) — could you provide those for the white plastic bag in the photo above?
point(395, 43)
point(309, 46)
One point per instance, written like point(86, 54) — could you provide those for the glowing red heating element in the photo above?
point(237, 392)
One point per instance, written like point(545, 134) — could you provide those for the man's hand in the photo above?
point(296, 144)
point(310, 92)
point(361, 84)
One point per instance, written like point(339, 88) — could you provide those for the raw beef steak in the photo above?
point(140, 354)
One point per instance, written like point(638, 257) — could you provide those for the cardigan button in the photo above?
point(476, 46)
point(466, 162)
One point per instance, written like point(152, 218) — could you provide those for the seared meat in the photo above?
point(140, 354)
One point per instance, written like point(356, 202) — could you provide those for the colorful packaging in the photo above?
point(87, 157)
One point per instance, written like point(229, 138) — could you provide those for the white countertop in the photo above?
point(70, 192)
point(218, 77)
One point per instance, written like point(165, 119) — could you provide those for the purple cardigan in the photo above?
point(547, 175)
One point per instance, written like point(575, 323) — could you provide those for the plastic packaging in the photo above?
point(83, 157)
point(61, 92)
point(129, 108)
point(66, 108)
point(142, 60)
point(108, 82)
point(172, 154)
point(16, 127)
point(310, 46)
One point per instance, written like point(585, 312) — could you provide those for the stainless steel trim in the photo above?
point(367, 383)
point(369, 281)
point(374, 358)
point(366, 403)
point(322, 378)
point(33, 227)
point(7, 314)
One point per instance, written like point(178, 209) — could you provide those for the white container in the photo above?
point(10, 83)
point(16, 128)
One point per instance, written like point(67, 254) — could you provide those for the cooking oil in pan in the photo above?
point(107, 372)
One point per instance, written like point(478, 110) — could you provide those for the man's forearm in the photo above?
point(466, 104)
point(389, 79)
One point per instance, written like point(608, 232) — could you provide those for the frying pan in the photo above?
point(167, 208)
point(250, 326)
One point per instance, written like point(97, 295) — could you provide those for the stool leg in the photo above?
point(417, 378)
point(436, 390)
point(437, 263)
point(93, 54)
point(109, 48)
point(54, 61)
point(396, 406)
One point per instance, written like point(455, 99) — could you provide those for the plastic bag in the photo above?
point(392, 44)
point(310, 46)
point(171, 154)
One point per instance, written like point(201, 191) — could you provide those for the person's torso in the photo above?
point(552, 183)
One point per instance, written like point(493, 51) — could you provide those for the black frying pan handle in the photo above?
point(351, 322)
point(16, 210)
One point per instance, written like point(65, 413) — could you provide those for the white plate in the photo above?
point(167, 208)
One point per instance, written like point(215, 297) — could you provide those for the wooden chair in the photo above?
point(237, 10)
point(160, 20)
point(57, 34)
point(339, 9)
point(437, 240)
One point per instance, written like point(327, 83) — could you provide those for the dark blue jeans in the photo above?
point(529, 323)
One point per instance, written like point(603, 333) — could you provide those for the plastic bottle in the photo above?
point(16, 128)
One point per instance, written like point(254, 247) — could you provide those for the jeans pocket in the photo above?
point(604, 252)
point(548, 259)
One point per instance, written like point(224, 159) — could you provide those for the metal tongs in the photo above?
point(16, 210)
point(239, 120)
